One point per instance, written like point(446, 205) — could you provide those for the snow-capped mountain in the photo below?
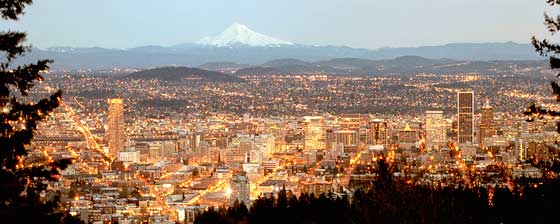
point(240, 45)
point(238, 34)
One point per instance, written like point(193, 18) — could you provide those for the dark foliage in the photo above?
point(12, 9)
point(552, 50)
point(24, 197)
point(394, 202)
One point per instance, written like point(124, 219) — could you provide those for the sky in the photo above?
point(356, 23)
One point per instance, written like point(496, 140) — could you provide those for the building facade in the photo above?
point(115, 127)
point(487, 127)
point(313, 133)
point(465, 117)
point(376, 133)
point(436, 133)
point(240, 188)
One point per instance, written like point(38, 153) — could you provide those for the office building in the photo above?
point(487, 125)
point(436, 134)
point(376, 133)
point(313, 133)
point(115, 127)
point(240, 188)
point(465, 117)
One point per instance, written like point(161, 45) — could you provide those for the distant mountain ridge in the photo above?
point(193, 55)
point(399, 66)
point(238, 44)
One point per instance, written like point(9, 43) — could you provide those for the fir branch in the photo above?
point(11, 10)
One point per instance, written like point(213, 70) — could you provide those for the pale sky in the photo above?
point(356, 23)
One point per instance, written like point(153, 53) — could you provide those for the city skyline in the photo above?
point(259, 124)
point(189, 161)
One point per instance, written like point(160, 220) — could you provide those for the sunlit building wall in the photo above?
point(346, 137)
point(408, 135)
point(313, 133)
point(115, 127)
point(436, 133)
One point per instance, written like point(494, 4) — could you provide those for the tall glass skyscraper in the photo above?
point(465, 117)
point(487, 125)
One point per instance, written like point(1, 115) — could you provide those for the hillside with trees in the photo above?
point(391, 201)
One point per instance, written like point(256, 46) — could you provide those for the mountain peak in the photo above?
point(238, 27)
point(237, 34)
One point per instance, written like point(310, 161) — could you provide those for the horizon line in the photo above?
point(296, 44)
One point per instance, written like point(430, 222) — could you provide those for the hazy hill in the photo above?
point(223, 66)
point(400, 65)
point(183, 74)
point(463, 51)
point(286, 62)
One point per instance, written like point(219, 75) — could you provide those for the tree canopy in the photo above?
point(26, 196)
point(391, 201)
point(551, 50)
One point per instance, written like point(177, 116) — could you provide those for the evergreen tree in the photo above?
point(282, 200)
point(238, 213)
point(24, 197)
point(402, 203)
point(552, 50)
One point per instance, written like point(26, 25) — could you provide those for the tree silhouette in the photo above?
point(552, 51)
point(390, 200)
point(24, 196)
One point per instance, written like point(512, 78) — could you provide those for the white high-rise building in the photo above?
point(314, 133)
point(129, 156)
point(436, 133)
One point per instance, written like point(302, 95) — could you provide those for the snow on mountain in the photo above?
point(241, 34)
point(61, 49)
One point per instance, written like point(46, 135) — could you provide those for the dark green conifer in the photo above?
point(24, 197)
point(551, 50)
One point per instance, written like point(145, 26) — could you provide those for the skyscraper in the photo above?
point(465, 114)
point(436, 135)
point(376, 133)
point(407, 135)
point(115, 128)
point(350, 121)
point(347, 139)
point(313, 133)
point(487, 126)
